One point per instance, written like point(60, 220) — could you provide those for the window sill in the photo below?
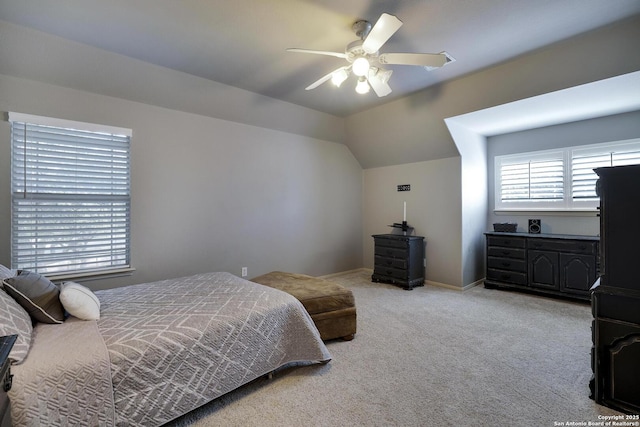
point(548, 212)
point(92, 275)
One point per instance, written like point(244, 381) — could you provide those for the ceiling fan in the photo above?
point(365, 60)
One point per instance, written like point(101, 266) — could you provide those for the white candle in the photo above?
point(404, 214)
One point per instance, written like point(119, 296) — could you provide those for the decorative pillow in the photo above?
point(5, 273)
point(37, 294)
point(79, 301)
point(15, 320)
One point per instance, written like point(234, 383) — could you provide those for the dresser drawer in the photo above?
point(392, 243)
point(385, 262)
point(577, 247)
point(507, 264)
point(384, 251)
point(394, 273)
point(506, 241)
point(507, 276)
point(496, 251)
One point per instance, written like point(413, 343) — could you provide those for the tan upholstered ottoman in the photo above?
point(331, 306)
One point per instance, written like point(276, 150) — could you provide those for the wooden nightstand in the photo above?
point(399, 260)
point(6, 343)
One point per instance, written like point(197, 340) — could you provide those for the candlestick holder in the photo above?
point(403, 226)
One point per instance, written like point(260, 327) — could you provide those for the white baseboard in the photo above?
point(456, 288)
point(340, 273)
point(427, 282)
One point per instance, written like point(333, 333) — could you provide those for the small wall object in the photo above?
point(534, 226)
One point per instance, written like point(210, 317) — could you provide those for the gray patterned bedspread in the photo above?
point(177, 344)
point(65, 379)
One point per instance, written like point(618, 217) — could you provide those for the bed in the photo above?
point(160, 350)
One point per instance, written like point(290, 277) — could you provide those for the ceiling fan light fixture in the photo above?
point(360, 66)
point(362, 87)
point(339, 76)
point(382, 75)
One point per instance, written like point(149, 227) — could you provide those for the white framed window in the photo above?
point(561, 179)
point(70, 196)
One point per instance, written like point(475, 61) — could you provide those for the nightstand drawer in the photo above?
point(394, 273)
point(508, 264)
point(393, 243)
point(390, 252)
point(384, 262)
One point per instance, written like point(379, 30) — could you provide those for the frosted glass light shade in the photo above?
point(338, 77)
point(360, 66)
point(362, 87)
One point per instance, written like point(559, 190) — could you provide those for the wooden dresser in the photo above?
point(399, 260)
point(615, 301)
point(553, 264)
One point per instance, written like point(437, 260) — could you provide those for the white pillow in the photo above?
point(79, 301)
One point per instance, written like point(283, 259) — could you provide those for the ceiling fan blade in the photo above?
point(319, 52)
point(323, 79)
point(378, 79)
point(424, 59)
point(386, 26)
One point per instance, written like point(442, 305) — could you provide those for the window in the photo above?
point(560, 179)
point(70, 203)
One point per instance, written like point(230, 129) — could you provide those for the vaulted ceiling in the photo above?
point(242, 43)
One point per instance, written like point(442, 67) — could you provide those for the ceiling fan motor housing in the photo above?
point(361, 28)
point(354, 51)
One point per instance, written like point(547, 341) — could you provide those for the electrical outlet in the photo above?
point(244, 272)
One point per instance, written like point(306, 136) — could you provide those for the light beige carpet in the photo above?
point(432, 357)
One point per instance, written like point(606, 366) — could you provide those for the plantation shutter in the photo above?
point(70, 196)
point(583, 178)
point(536, 180)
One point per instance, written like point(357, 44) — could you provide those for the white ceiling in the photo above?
point(242, 43)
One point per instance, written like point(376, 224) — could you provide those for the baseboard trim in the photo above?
point(427, 282)
point(340, 273)
point(455, 288)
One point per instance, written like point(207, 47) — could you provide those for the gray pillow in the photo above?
point(5, 273)
point(15, 320)
point(37, 294)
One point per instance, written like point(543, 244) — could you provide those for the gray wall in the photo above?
point(211, 194)
point(316, 222)
point(413, 129)
point(432, 208)
point(604, 129)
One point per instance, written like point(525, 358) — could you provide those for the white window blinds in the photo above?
point(70, 196)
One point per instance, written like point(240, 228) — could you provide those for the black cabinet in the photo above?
point(544, 269)
point(615, 300)
point(506, 260)
point(399, 260)
point(6, 344)
point(553, 264)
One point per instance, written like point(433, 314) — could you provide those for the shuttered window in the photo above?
point(583, 178)
point(533, 181)
point(70, 196)
point(558, 179)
